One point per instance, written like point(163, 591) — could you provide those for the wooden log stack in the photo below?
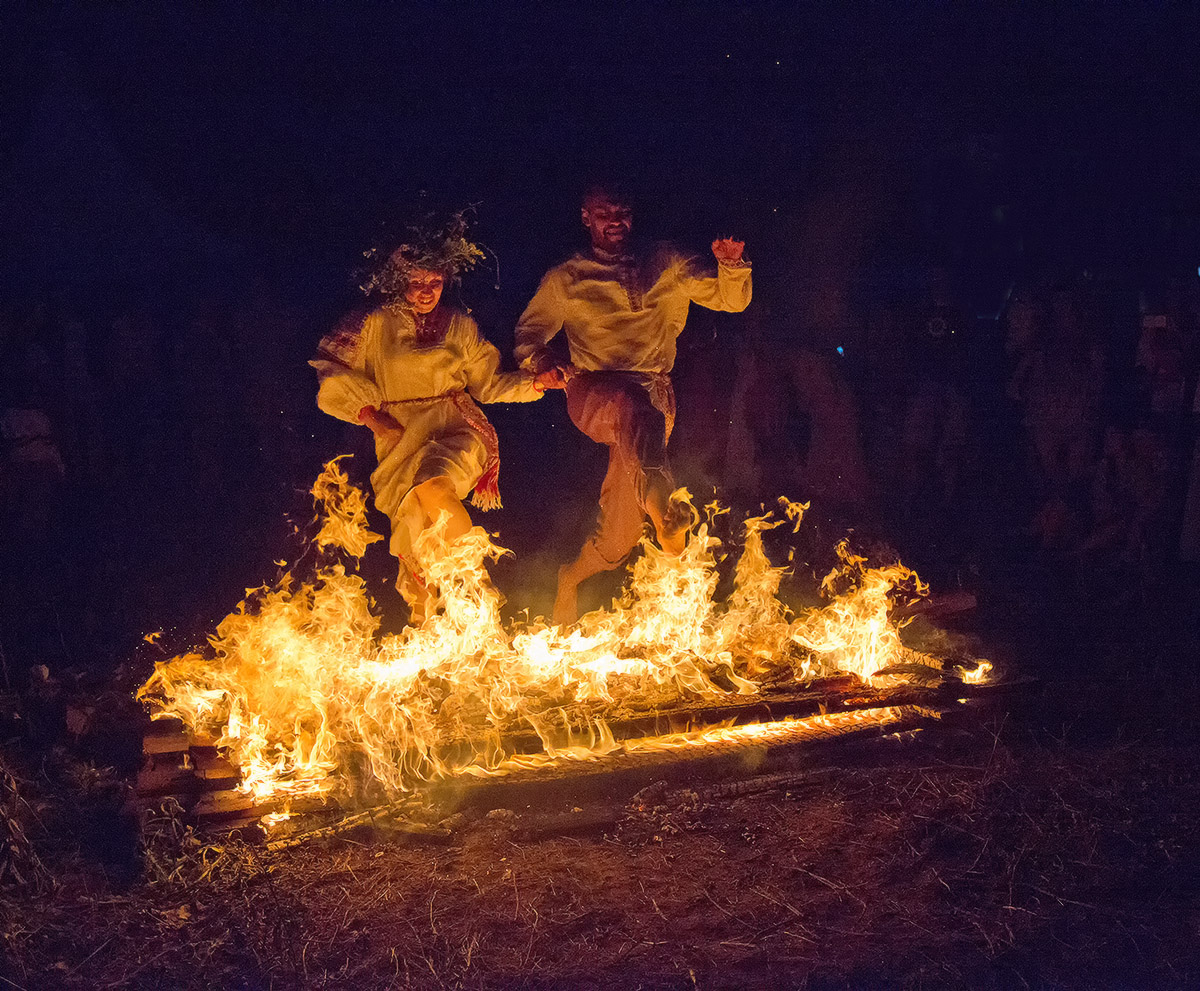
point(181, 765)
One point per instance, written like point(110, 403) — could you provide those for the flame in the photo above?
point(979, 675)
point(344, 524)
point(308, 701)
point(852, 632)
point(771, 732)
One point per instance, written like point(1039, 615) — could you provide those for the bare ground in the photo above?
point(1017, 858)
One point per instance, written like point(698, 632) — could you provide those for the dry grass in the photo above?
point(1016, 862)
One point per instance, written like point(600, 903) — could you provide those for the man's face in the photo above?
point(424, 290)
point(609, 222)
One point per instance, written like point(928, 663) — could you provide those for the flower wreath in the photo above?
point(440, 247)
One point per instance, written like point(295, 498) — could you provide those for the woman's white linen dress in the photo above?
point(425, 371)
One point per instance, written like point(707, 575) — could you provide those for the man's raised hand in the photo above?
point(728, 251)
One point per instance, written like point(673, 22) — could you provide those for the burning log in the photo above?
point(558, 728)
point(190, 768)
point(309, 704)
point(724, 752)
point(714, 753)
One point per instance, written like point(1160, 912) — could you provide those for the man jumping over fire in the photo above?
point(622, 307)
point(411, 371)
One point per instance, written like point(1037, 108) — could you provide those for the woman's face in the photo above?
point(424, 290)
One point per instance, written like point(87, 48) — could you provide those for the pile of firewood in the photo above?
point(178, 764)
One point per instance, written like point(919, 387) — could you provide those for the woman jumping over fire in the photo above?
point(410, 370)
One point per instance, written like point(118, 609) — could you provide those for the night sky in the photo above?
point(279, 134)
point(233, 160)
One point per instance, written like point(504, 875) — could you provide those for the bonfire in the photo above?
point(306, 699)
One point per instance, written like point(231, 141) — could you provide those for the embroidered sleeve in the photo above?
point(341, 363)
point(344, 344)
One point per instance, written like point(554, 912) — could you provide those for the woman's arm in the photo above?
point(346, 386)
point(486, 382)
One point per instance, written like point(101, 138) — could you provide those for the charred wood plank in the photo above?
point(625, 770)
point(166, 744)
point(222, 802)
point(210, 764)
point(843, 693)
point(583, 822)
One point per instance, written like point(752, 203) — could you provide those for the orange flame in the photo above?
point(307, 700)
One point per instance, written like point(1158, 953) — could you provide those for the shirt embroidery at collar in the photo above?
point(430, 328)
point(629, 276)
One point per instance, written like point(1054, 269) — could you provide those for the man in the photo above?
point(621, 310)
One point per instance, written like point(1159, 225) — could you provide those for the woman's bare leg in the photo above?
point(434, 497)
point(437, 496)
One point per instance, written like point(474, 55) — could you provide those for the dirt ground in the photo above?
point(1009, 859)
point(1055, 844)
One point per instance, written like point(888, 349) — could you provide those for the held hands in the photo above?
point(555, 377)
point(383, 425)
point(728, 251)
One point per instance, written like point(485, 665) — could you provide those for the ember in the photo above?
point(307, 701)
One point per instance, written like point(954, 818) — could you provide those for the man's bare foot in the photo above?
point(673, 543)
point(566, 600)
point(672, 526)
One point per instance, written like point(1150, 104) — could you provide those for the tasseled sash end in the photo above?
point(487, 490)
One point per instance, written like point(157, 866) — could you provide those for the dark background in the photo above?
point(191, 186)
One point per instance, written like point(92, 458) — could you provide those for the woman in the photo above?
point(410, 372)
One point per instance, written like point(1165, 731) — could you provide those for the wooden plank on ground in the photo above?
point(222, 802)
point(212, 765)
point(172, 744)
